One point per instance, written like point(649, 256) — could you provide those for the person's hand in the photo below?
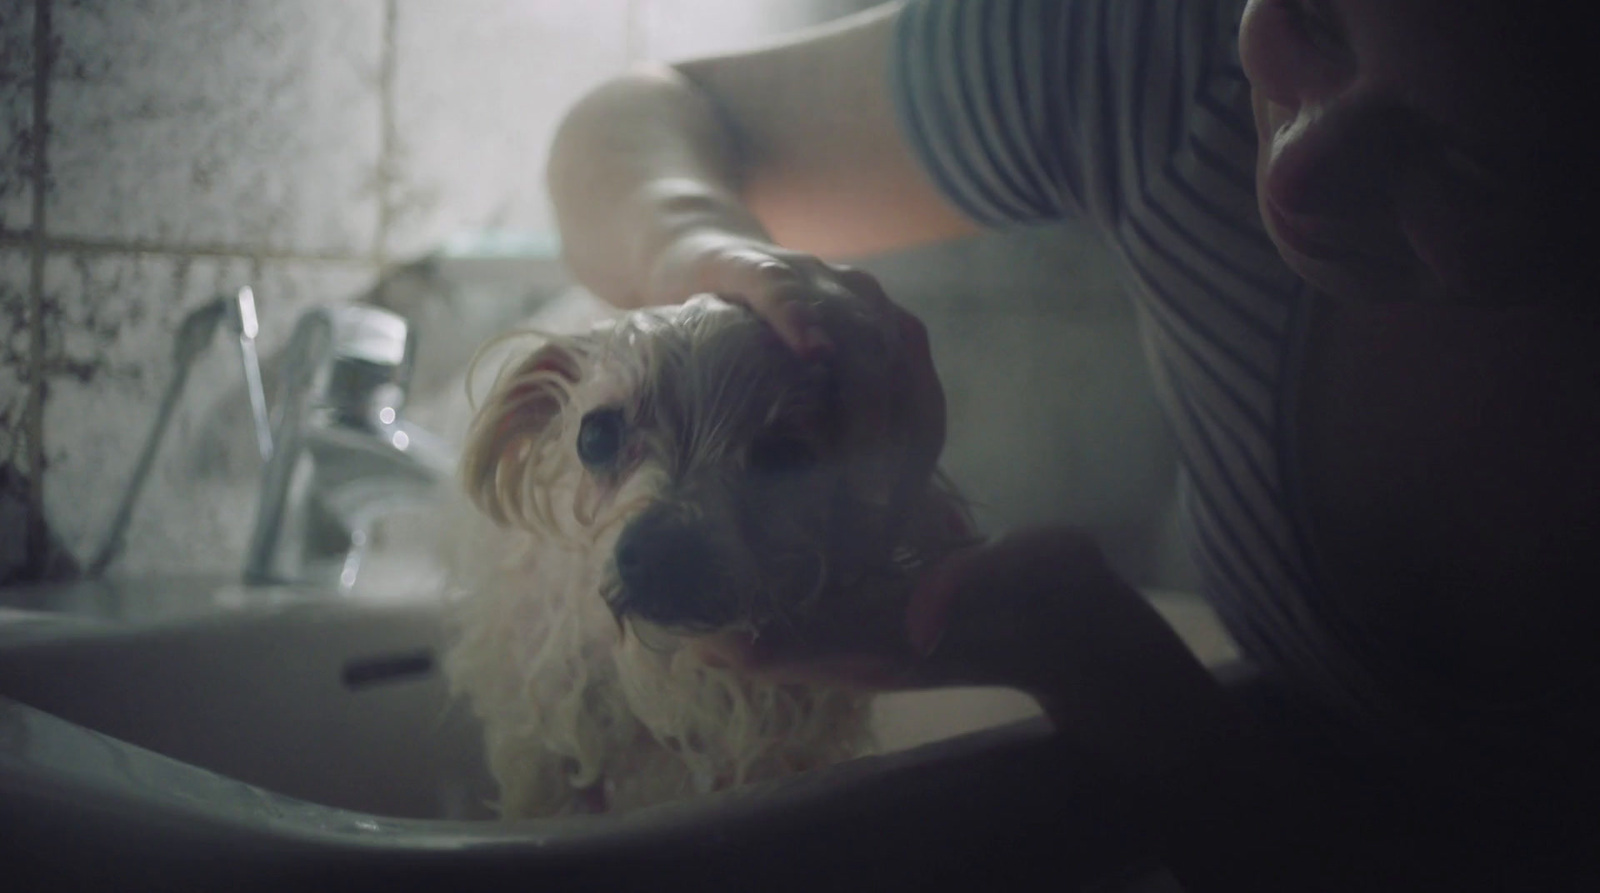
point(788, 289)
point(1038, 610)
point(893, 403)
point(1002, 612)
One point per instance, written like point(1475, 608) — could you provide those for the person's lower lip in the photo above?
point(1338, 254)
point(1304, 245)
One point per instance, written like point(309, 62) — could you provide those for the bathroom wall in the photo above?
point(1052, 415)
point(157, 153)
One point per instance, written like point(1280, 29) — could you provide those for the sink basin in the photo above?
point(287, 734)
point(331, 701)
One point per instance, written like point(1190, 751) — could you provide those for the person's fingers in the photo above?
point(771, 288)
point(982, 600)
point(760, 659)
point(912, 401)
point(915, 357)
point(925, 403)
point(1033, 559)
point(928, 609)
point(865, 287)
point(800, 296)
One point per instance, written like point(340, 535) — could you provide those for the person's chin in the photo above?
point(1376, 282)
point(1350, 273)
point(1373, 280)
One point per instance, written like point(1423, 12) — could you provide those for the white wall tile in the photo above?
point(1052, 412)
point(112, 319)
point(1052, 420)
point(193, 123)
point(479, 88)
point(16, 114)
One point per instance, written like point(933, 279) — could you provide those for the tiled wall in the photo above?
point(156, 153)
point(1052, 414)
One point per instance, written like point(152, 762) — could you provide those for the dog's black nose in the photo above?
point(665, 566)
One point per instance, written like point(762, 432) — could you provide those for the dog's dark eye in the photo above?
point(778, 455)
point(600, 438)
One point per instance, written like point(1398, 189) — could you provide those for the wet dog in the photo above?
point(670, 480)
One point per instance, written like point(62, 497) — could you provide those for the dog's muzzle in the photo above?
point(667, 572)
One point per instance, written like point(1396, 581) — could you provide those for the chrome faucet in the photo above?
point(338, 456)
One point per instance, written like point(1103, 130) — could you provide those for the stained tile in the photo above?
point(15, 354)
point(16, 114)
point(112, 321)
point(191, 123)
point(479, 88)
point(15, 378)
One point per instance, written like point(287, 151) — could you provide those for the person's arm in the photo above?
point(1040, 610)
point(732, 174)
point(1226, 803)
point(1143, 724)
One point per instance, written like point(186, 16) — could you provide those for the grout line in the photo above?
point(118, 246)
point(388, 139)
point(37, 541)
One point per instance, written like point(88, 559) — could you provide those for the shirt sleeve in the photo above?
point(1028, 111)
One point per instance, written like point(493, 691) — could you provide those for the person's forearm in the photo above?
point(1043, 613)
point(1223, 800)
point(638, 163)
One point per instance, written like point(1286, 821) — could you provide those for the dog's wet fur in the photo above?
point(668, 478)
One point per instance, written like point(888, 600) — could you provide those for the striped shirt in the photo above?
point(1136, 115)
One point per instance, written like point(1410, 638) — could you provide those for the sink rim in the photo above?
point(133, 773)
point(179, 598)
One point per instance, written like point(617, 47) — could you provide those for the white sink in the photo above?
point(333, 700)
point(191, 734)
point(336, 702)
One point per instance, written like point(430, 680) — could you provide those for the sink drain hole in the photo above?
point(387, 668)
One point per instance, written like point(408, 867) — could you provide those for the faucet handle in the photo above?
point(372, 335)
point(344, 357)
point(346, 371)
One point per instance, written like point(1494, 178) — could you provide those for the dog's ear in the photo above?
point(509, 428)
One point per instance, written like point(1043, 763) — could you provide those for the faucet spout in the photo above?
point(242, 319)
point(342, 456)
